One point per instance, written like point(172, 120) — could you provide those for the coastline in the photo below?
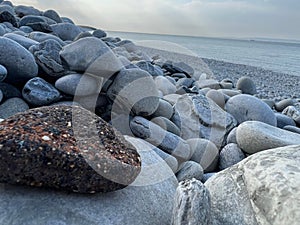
point(270, 84)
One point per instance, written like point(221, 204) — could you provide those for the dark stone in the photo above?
point(35, 19)
point(6, 16)
point(171, 68)
point(99, 33)
point(151, 69)
point(39, 92)
point(40, 26)
point(49, 147)
point(9, 91)
point(52, 15)
point(18, 61)
point(47, 57)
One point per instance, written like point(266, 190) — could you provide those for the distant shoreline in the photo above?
point(270, 84)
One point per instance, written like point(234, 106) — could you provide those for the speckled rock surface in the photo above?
point(147, 201)
point(67, 148)
point(262, 189)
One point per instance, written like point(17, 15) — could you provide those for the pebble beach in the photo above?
point(95, 129)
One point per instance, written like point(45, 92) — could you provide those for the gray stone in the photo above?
point(9, 91)
point(12, 106)
point(254, 136)
point(202, 117)
point(78, 84)
point(24, 41)
point(190, 170)
point(231, 138)
point(205, 153)
point(165, 85)
point(40, 37)
point(99, 33)
point(230, 93)
point(134, 90)
point(262, 189)
point(246, 108)
point(172, 98)
point(246, 85)
point(192, 204)
point(269, 102)
point(26, 29)
point(230, 155)
point(157, 136)
point(166, 125)
point(3, 73)
point(283, 120)
point(292, 112)
point(47, 57)
point(39, 92)
point(164, 109)
point(66, 31)
point(147, 201)
point(217, 97)
point(22, 10)
point(150, 68)
point(1, 96)
point(87, 53)
point(52, 15)
point(280, 106)
point(19, 62)
point(187, 82)
point(35, 19)
point(292, 129)
point(153, 152)
point(213, 84)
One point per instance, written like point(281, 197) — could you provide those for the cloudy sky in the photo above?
point(214, 18)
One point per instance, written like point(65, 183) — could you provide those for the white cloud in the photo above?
point(278, 18)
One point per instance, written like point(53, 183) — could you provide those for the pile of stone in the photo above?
point(180, 123)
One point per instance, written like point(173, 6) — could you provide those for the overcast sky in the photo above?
point(215, 18)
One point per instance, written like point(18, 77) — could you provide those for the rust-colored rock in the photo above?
point(66, 148)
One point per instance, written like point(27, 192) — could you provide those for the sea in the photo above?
point(277, 55)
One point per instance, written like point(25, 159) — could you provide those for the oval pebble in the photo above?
point(247, 108)
point(39, 92)
point(78, 84)
point(230, 155)
point(246, 85)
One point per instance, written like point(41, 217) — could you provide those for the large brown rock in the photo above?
point(67, 148)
